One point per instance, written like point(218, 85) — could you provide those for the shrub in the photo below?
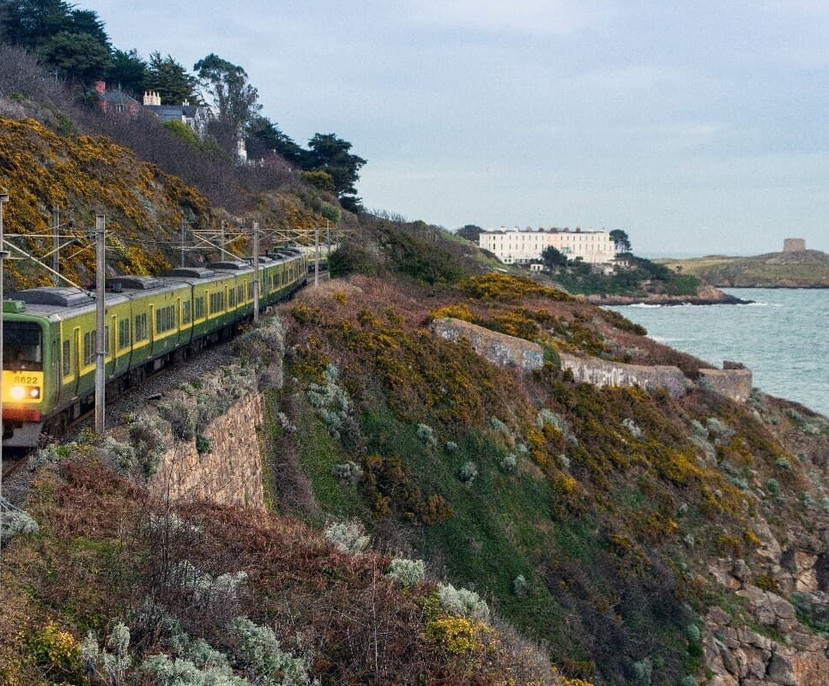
point(520, 586)
point(181, 414)
point(408, 572)
point(632, 428)
point(468, 473)
point(112, 664)
point(58, 654)
point(147, 437)
point(51, 454)
point(14, 522)
point(349, 537)
point(330, 401)
point(427, 434)
point(463, 602)
point(451, 447)
point(508, 464)
point(118, 455)
point(258, 652)
point(773, 486)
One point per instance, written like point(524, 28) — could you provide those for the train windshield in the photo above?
point(22, 346)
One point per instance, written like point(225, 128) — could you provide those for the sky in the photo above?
point(696, 127)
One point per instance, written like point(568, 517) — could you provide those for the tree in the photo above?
point(31, 23)
point(621, 240)
point(264, 137)
point(470, 232)
point(78, 56)
point(234, 98)
point(72, 40)
point(128, 72)
point(171, 80)
point(331, 154)
point(553, 258)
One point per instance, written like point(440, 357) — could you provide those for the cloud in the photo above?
point(540, 17)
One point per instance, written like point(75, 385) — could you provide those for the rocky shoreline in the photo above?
point(707, 295)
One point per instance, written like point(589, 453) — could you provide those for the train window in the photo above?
point(89, 340)
point(217, 302)
point(22, 346)
point(106, 339)
point(232, 297)
point(200, 307)
point(240, 293)
point(250, 290)
point(165, 319)
point(140, 327)
point(123, 334)
point(67, 358)
point(185, 312)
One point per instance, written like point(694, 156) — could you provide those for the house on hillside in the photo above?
point(116, 103)
point(194, 116)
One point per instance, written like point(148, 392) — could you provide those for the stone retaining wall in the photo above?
point(231, 474)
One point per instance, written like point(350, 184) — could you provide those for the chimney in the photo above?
point(100, 87)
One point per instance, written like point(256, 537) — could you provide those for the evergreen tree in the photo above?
point(331, 154)
point(171, 80)
point(128, 72)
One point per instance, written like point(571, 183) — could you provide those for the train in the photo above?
point(50, 338)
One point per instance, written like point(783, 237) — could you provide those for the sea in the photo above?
point(782, 336)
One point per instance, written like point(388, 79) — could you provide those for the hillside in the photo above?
point(432, 517)
point(636, 537)
point(806, 269)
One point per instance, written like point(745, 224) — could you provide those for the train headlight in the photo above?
point(19, 392)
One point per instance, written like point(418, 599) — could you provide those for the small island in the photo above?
point(794, 267)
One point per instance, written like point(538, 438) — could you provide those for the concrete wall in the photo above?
point(498, 348)
point(600, 373)
point(732, 383)
point(229, 475)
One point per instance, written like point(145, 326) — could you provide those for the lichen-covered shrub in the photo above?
point(118, 455)
point(347, 472)
point(15, 522)
point(257, 651)
point(147, 435)
point(349, 537)
point(508, 463)
point(426, 434)
point(330, 401)
point(632, 428)
point(113, 662)
point(409, 573)
point(462, 602)
point(181, 414)
point(468, 473)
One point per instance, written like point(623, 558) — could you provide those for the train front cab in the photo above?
point(28, 355)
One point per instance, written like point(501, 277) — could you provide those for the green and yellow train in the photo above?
point(49, 334)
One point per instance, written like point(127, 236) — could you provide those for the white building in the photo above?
point(513, 246)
